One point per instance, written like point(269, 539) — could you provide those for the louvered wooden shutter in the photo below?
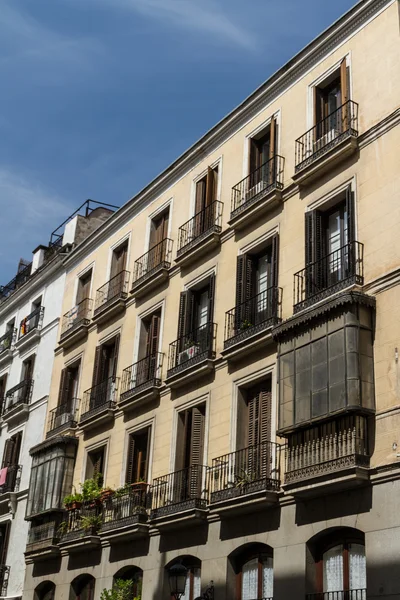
point(253, 419)
point(210, 186)
point(315, 249)
point(200, 195)
point(274, 260)
point(116, 352)
point(185, 313)
point(343, 81)
point(153, 335)
point(211, 297)
point(98, 463)
point(130, 464)
point(197, 436)
point(265, 405)
point(350, 208)
point(16, 448)
point(4, 543)
point(62, 397)
point(181, 437)
point(272, 135)
point(97, 366)
point(8, 453)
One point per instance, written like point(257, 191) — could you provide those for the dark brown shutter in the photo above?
point(274, 260)
point(4, 542)
point(197, 436)
point(8, 453)
point(253, 416)
point(210, 186)
point(153, 233)
point(244, 278)
point(62, 396)
point(315, 249)
point(98, 463)
point(265, 415)
point(116, 352)
point(97, 366)
point(16, 448)
point(130, 464)
point(185, 314)
point(153, 335)
point(181, 437)
point(350, 208)
point(200, 195)
point(343, 82)
point(272, 136)
point(253, 160)
point(211, 298)
point(29, 365)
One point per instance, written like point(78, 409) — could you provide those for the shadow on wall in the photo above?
point(334, 506)
point(82, 560)
point(47, 567)
point(128, 550)
point(186, 538)
point(251, 524)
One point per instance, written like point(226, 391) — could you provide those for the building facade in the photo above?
point(30, 307)
point(230, 336)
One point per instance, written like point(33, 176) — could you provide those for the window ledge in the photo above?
point(139, 396)
point(28, 339)
point(187, 514)
point(68, 429)
point(19, 412)
point(151, 281)
point(74, 334)
point(6, 357)
point(126, 529)
point(198, 247)
point(350, 472)
point(41, 551)
point(79, 543)
point(249, 340)
point(97, 416)
point(316, 165)
point(239, 500)
point(251, 210)
point(183, 374)
point(109, 309)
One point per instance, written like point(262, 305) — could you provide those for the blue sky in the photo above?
point(98, 96)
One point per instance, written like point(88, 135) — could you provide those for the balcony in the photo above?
point(99, 403)
point(42, 541)
point(125, 514)
point(257, 193)
point(152, 269)
point(338, 460)
point(179, 499)
point(327, 143)
point(24, 273)
point(338, 270)
point(111, 297)
point(360, 594)
point(248, 325)
point(79, 532)
point(141, 381)
point(192, 355)
point(245, 480)
point(17, 400)
point(12, 477)
point(75, 323)
point(200, 234)
point(4, 575)
point(29, 329)
point(6, 346)
point(63, 418)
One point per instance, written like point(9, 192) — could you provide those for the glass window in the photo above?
point(257, 578)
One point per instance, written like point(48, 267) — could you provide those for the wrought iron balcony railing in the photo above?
point(324, 277)
point(86, 520)
point(141, 375)
point(4, 576)
point(126, 508)
point(39, 535)
point(65, 414)
point(328, 133)
point(208, 220)
point(360, 594)
point(330, 453)
point(21, 277)
point(100, 397)
point(192, 348)
point(253, 315)
point(178, 491)
point(77, 317)
point(7, 340)
point(260, 182)
point(31, 322)
point(115, 289)
point(158, 257)
point(253, 469)
point(19, 394)
point(12, 479)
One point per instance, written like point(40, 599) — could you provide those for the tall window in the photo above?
point(104, 372)
point(190, 437)
point(95, 462)
point(119, 258)
point(133, 574)
point(206, 195)
point(138, 456)
point(82, 588)
point(83, 291)
point(193, 577)
point(158, 233)
point(262, 150)
point(329, 96)
point(253, 565)
point(12, 449)
point(68, 392)
point(148, 367)
point(27, 368)
point(45, 591)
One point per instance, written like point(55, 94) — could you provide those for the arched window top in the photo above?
point(82, 587)
point(253, 565)
point(133, 574)
point(45, 591)
point(193, 579)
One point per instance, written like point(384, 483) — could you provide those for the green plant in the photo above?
point(245, 324)
point(92, 522)
point(244, 478)
point(122, 590)
point(122, 490)
point(91, 488)
point(73, 498)
point(62, 528)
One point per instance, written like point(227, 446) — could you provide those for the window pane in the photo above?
point(268, 578)
point(357, 567)
point(250, 580)
point(333, 569)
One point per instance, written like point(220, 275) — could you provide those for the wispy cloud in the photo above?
point(32, 213)
point(202, 16)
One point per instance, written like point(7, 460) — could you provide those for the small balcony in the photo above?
point(257, 193)
point(141, 381)
point(99, 403)
point(192, 355)
point(63, 418)
point(7, 342)
point(125, 514)
point(200, 234)
point(17, 401)
point(24, 273)
point(152, 269)
point(80, 531)
point(245, 480)
point(339, 460)
point(42, 541)
point(4, 575)
point(327, 143)
point(360, 594)
point(29, 328)
point(11, 476)
point(248, 325)
point(180, 499)
point(111, 297)
point(338, 270)
point(75, 323)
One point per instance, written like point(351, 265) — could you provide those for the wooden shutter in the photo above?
point(16, 449)
point(259, 415)
point(211, 297)
point(272, 135)
point(28, 368)
point(200, 195)
point(350, 209)
point(315, 249)
point(64, 386)
point(265, 405)
point(253, 416)
point(98, 463)
point(253, 158)
point(244, 278)
point(153, 335)
point(116, 352)
point(210, 186)
point(274, 260)
point(4, 542)
point(8, 452)
point(343, 82)
point(197, 436)
point(97, 366)
point(181, 439)
point(130, 464)
point(185, 313)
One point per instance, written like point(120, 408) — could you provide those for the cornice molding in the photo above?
point(268, 92)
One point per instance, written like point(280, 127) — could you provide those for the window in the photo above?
point(149, 335)
point(11, 451)
point(330, 243)
point(254, 414)
point(45, 591)
point(206, 190)
point(105, 363)
point(95, 462)
point(256, 281)
point(51, 477)
point(159, 228)
point(84, 283)
point(329, 96)
point(27, 368)
point(118, 260)
point(190, 437)
point(4, 539)
point(262, 148)
point(133, 574)
point(193, 577)
point(253, 566)
point(82, 588)
point(68, 392)
point(195, 314)
point(137, 466)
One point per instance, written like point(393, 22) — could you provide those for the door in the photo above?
point(189, 456)
point(158, 235)
point(258, 463)
point(117, 275)
point(148, 369)
point(206, 195)
point(137, 460)
point(336, 244)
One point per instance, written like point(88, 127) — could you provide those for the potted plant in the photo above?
point(106, 493)
point(91, 490)
point(245, 324)
point(68, 500)
point(91, 524)
point(62, 528)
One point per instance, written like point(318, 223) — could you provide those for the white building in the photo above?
point(30, 307)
